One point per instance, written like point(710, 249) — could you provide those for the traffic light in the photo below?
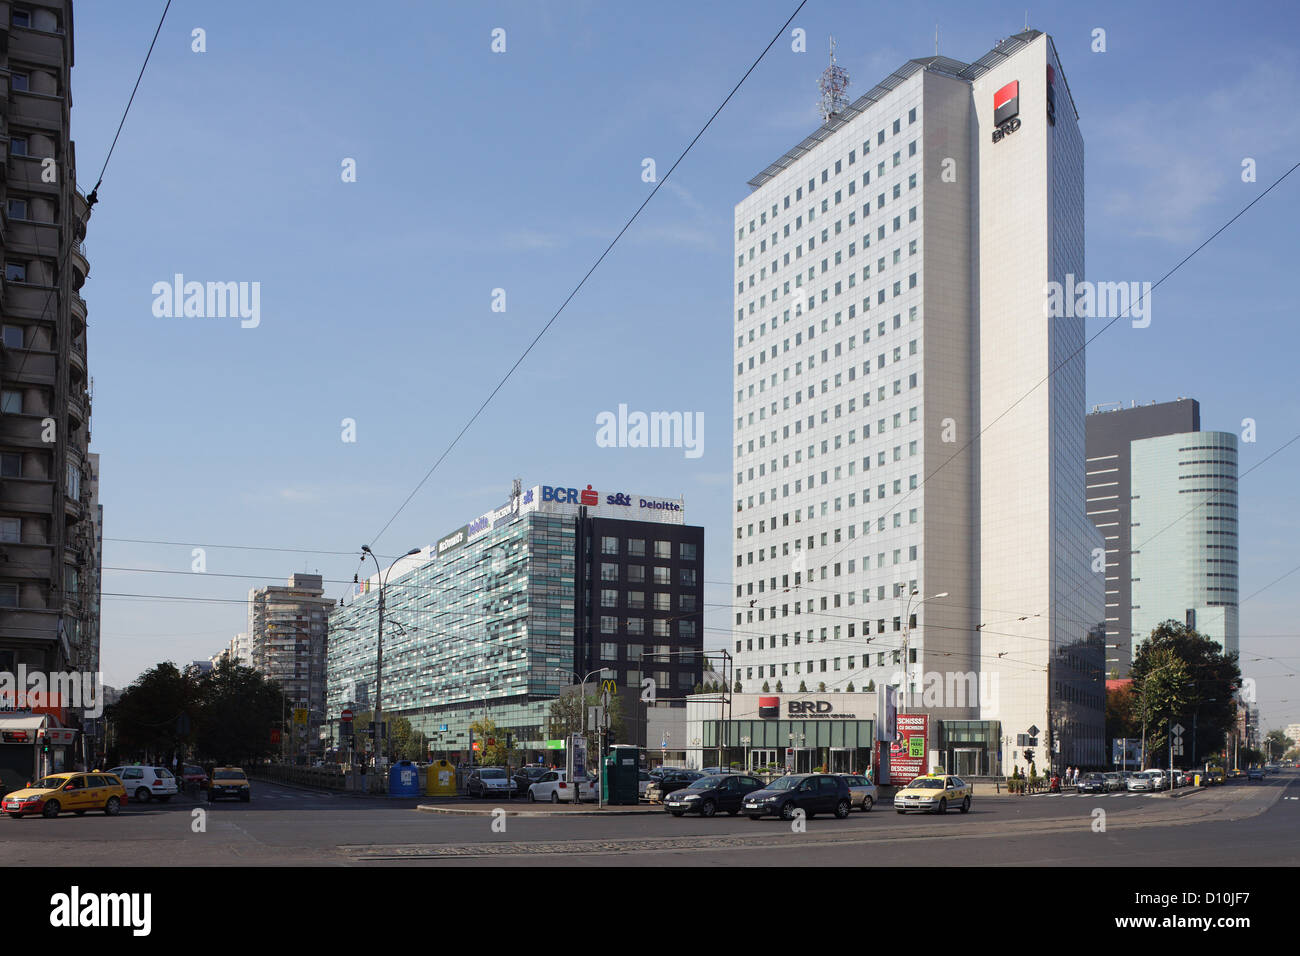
point(510, 741)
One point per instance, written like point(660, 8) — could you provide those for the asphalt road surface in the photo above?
point(1238, 824)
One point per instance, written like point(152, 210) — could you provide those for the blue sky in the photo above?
point(478, 171)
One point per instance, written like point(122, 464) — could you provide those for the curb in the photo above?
point(594, 812)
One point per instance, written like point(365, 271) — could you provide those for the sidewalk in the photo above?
point(518, 808)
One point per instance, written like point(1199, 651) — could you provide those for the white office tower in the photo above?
point(891, 275)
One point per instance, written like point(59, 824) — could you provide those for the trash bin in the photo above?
point(1197, 780)
point(441, 779)
point(404, 779)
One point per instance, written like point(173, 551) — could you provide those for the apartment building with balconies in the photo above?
point(49, 512)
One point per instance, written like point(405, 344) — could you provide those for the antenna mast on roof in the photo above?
point(834, 85)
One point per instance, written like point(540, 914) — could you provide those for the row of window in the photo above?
point(839, 166)
point(834, 663)
point(636, 548)
point(636, 626)
point(636, 574)
point(660, 600)
point(913, 448)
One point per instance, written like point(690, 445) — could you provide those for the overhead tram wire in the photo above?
point(609, 248)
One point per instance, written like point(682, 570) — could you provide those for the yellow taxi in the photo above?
point(934, 793)
point(229, 782)
point(1213, 775)
point(63, 792)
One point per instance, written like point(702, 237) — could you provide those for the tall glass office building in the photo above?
point(497, 617)
point(1184, 533)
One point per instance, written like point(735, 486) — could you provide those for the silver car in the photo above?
point(862, 792)
point(1140, 781)
point(1114, 781)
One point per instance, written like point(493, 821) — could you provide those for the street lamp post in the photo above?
point(582, 716)
point(377, 721)
point(907, 633)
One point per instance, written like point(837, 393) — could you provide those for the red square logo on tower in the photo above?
point(1006, 103)
point(769, 707)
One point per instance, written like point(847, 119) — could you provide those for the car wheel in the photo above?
point(112, 807)
point(677, 813)
point(943, 805)
point(965, 805)
point(867, 804)
point(532, 797)
point(708, 808)
point(842, 809)
point(555, 797)
point(787, 811)
point(50, 810)
point(143, 795)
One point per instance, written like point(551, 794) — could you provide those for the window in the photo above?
point(11, 402)
point(686, 629)
point(686, 602)
point(609, 652)
point(635, 625)
point(636, 574)
point(17, 145)
point(636, 547)
point(687, 551)
point(609, 598)
point(22, 18)
point(19, 81)
point(635, 599)
point(664, 549)
point(11, 465)
point(688, 577)
point(609, 572)
point(609, 545)
point(609, 625)
point(663, 601)
point(8, 595)
point(17, 208)
point(11, 530)
point(663, 575)
point(15, 272)
point(660, 629)
point(13, 337)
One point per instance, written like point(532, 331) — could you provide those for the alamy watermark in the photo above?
point(626, 429)
point(212, 300)
point(1098, 300)
point(71, 690)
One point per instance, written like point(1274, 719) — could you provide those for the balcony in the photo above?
point(36, 110)
point(26, 494)
point(79, 311)
point(37, 369)
point(80, 266)
point(27, 300)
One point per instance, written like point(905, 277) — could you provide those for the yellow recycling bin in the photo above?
point(441, 781)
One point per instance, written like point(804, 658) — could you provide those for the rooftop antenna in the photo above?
point(936, 38)
point(834, 85)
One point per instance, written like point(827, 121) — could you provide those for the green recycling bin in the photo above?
point(622, 770)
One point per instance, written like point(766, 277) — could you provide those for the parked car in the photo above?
point(1160, 779)
point(862, 791)
point(712, 793)
point(555, 788)
point(147, 783)
point(934, 793)
point(229, 782)
point(60, 792)
point(194, 776)
point(643, 781)
point(811, 792)
point(528, 775)
point(668, 782)
point(489, 780)
point(1114, 781)
point(1140, 781)
point(1093, 783)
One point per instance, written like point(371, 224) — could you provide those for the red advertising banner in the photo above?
point(909, 751)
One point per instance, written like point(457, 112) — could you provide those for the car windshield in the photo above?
point(228, 775)
point(193, 769)
point(50, 783)
point(492, 774)
point(926, 783)
point(707, 783)
point(785, 783)
point(1093, 776)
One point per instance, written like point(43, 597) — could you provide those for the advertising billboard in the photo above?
point(907, 753)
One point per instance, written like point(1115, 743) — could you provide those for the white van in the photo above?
point(145, 783)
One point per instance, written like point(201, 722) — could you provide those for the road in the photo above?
point(1237, 824)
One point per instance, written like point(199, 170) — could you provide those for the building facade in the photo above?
point(287, 633)
point(908, 503)
point(1184, 520)
point(1111, 432)
point(503, 615)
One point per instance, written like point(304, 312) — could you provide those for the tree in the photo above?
point(567, 715)
point(778, 687)
point(238, 708)
point(803, 687)
point(821, 687)
point(871, 687)
point(1277, 743)
point(1122, 718)
point(738, 688)
point(1193, 678)
point(699, 688)
point(765, 687)
point(849, 689)
point(492, 748)
point(155, 715)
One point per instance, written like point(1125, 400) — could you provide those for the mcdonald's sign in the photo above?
point(609, 687)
